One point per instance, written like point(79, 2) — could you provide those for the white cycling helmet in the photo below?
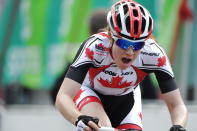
point(130, 20)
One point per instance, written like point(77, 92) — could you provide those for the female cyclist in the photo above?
point(101, 87)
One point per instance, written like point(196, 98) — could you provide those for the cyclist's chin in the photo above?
point(123, 66)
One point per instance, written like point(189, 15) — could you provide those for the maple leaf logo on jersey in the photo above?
point(116, 83)
point(140, 115)
point(89, 53)
point(161, 61)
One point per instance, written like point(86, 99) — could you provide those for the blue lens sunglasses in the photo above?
point(124, 44)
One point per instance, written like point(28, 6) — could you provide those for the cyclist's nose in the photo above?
point(130, 51)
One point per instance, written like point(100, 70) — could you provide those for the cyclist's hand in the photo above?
point(87, 123)
point(177, 128)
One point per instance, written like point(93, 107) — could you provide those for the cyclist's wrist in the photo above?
point(177, 128)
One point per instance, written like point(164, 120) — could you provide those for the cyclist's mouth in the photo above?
point(126, 60)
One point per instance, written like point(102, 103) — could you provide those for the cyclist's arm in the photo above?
point(64, 100)
point(167, 84)
point(176, 107)
point(172, 97)
point(68, 90)
point(72, 83)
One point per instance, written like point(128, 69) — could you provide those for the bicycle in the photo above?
point(113, 129)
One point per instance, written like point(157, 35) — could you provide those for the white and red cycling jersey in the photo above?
point(94, 67)
point(118, 90)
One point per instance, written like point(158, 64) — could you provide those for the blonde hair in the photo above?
point(108, 30)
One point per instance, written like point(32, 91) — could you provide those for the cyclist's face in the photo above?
point(124, 58)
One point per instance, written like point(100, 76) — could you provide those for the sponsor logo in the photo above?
point(101, 54)
point(101, 47)
point(150, 54)
point(126, 73)
point(110, 73)
point(114, 74)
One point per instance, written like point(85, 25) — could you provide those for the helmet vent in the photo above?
point(119, 21)
point(150, 24)
point(142, 10)
point(143, 25)
point(136, 27)
point(125, 8)
point(135, 13)
point(128, 24)
point(112, 23)
point(117, 6)
point(132, 4)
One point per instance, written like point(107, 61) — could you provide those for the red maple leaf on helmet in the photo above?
point(116, 83)
point(89, 53)
point(161, 61)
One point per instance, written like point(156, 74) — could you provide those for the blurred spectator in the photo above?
point(17, 94)
point(1, 95)
point(98, 20)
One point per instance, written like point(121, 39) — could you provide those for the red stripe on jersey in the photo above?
point(140, 75)
point(129, 126)
point(78, 95)
point(87, 100)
